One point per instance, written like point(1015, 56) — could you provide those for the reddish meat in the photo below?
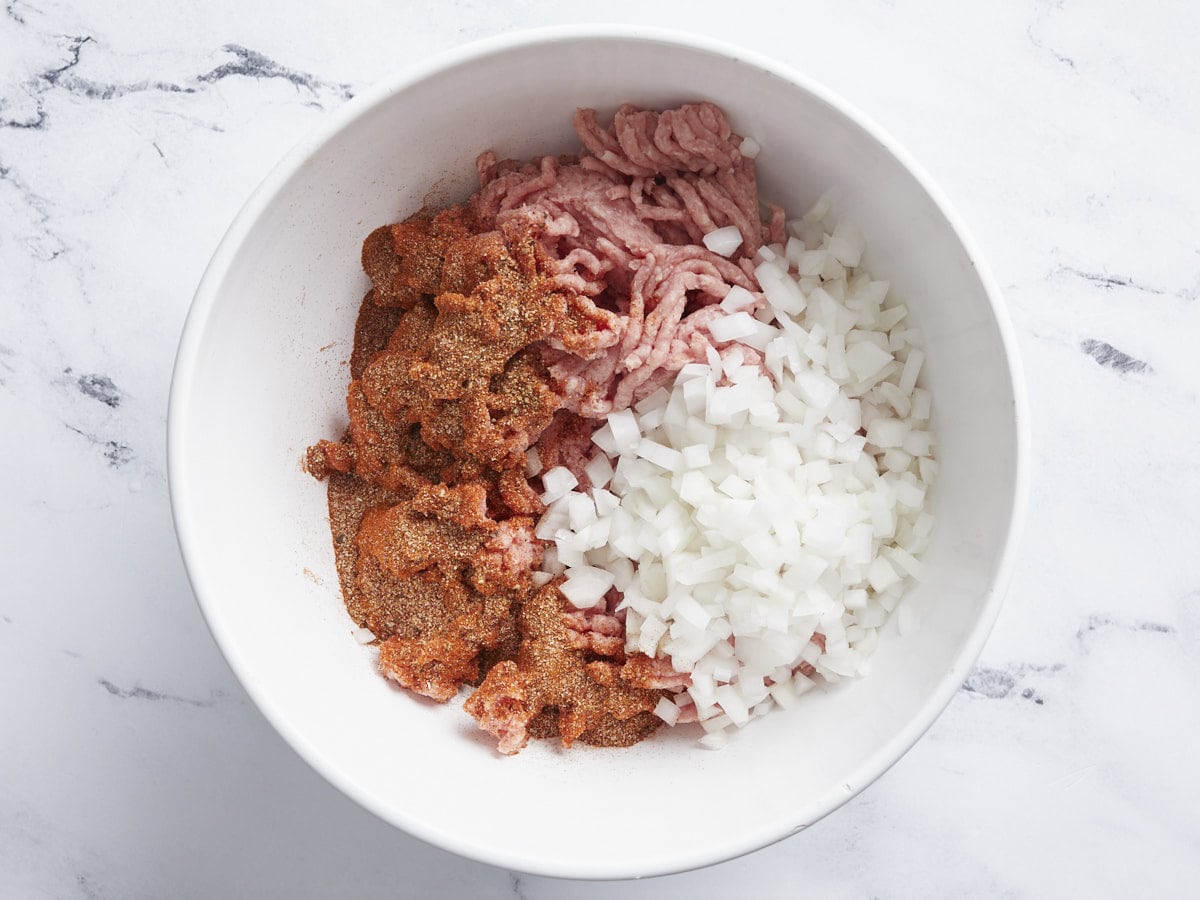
point(551, 672)
point(620, 231)
point(654, 673)
point(596, 630)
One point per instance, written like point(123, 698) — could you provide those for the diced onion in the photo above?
point(724, 241)
point(774, 492)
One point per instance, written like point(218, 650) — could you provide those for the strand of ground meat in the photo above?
point(621, 228)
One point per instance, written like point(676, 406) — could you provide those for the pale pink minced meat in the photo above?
point(597, 630)
point(621, 226)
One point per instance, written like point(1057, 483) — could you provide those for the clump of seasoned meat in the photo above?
point(463, 367)
point(431, 511)
point(553, 674)
point(404, 261)
point(464, 570)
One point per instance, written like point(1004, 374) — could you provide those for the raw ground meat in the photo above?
point(621, 228)
point(566, 288)
point(552, 672)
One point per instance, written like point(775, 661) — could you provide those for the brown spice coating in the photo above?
point(393, 456)
point(372, 329)
point(404, 260)
point(581, 325)
point(434, 666)
point(653, 672)
point(434, 559)
point(409, 538)
point(403, 607)
point(431, 515)
point(464, 368)
point(372, 608)
point(517, 495)
point(472, 260)
point(551, 672)
point(612, 732)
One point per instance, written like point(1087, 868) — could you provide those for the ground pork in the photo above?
point(620, 228)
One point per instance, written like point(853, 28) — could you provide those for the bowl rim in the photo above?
point(205, 297)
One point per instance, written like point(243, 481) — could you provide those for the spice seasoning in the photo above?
point(430, 512)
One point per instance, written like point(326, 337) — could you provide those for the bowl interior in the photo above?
point(262, 374)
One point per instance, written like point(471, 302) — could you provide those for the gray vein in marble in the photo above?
point(101, 388)
point(1001, 683)
point(6, 367)
point(193, 120)
point(1046, 48)
point(99, 90)
point(253, 64)
point(1096, 623)
point(995, 684)
point(1110, 357)
point(85, 885)
point(33, 201)
point(48, 79)
point(518, 889)
point(1041, 44)
point(117, 453)
point(10, 9)
point(141, 693)
point(998, 684)
point(1109, 282)
point(247, 62)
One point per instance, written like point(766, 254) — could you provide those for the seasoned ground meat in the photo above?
point(565, 288)
point(553, 672)
point(431, 512)
point(464, 368)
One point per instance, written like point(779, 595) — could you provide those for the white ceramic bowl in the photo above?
point(256, 382)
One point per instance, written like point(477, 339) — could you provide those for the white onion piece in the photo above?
point(586, 586)
point(667, 711)
point(846, 244)
point(599, 470)
point(723, 241)
point(738, 299)
point(533, 463)
point(557, 482)
point(731, 327)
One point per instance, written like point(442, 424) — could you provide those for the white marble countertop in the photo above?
point(133, 765)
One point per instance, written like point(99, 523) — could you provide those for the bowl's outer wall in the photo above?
point(258, 381)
